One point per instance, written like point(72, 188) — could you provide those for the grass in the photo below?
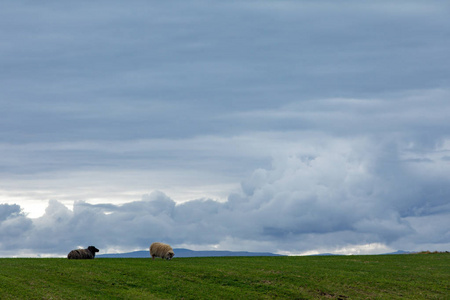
point(418, 276)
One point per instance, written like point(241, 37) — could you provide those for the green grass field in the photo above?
point(419, 276)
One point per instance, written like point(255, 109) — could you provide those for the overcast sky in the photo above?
point(295, 127)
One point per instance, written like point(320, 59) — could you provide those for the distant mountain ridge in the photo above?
point(391, 253)
point(181, 252)
point(399, 252)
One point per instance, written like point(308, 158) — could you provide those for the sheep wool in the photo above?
point(88, 253)
point(161, 250)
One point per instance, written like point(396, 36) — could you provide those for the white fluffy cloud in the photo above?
point(338, 195)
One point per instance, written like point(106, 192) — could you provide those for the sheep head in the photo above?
point(169, 255)
point(93, 249)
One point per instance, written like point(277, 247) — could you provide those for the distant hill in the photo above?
point(399, 252)
point(181, 252)
point(392, 253)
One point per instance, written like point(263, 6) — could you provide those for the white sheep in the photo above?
point(161, 250)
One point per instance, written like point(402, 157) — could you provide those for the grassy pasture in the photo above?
point(419, 276)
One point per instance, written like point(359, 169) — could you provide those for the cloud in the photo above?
point(120, 72)
point(333, 119)
point(14, 228)
point(342, 194)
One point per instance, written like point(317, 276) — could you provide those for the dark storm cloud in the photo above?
point(14, 226)
point(169, 69)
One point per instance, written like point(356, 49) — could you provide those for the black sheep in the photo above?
point(88, 253)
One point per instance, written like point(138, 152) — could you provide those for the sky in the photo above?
point(293, 127)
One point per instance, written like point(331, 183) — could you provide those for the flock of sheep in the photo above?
point(156, 250)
